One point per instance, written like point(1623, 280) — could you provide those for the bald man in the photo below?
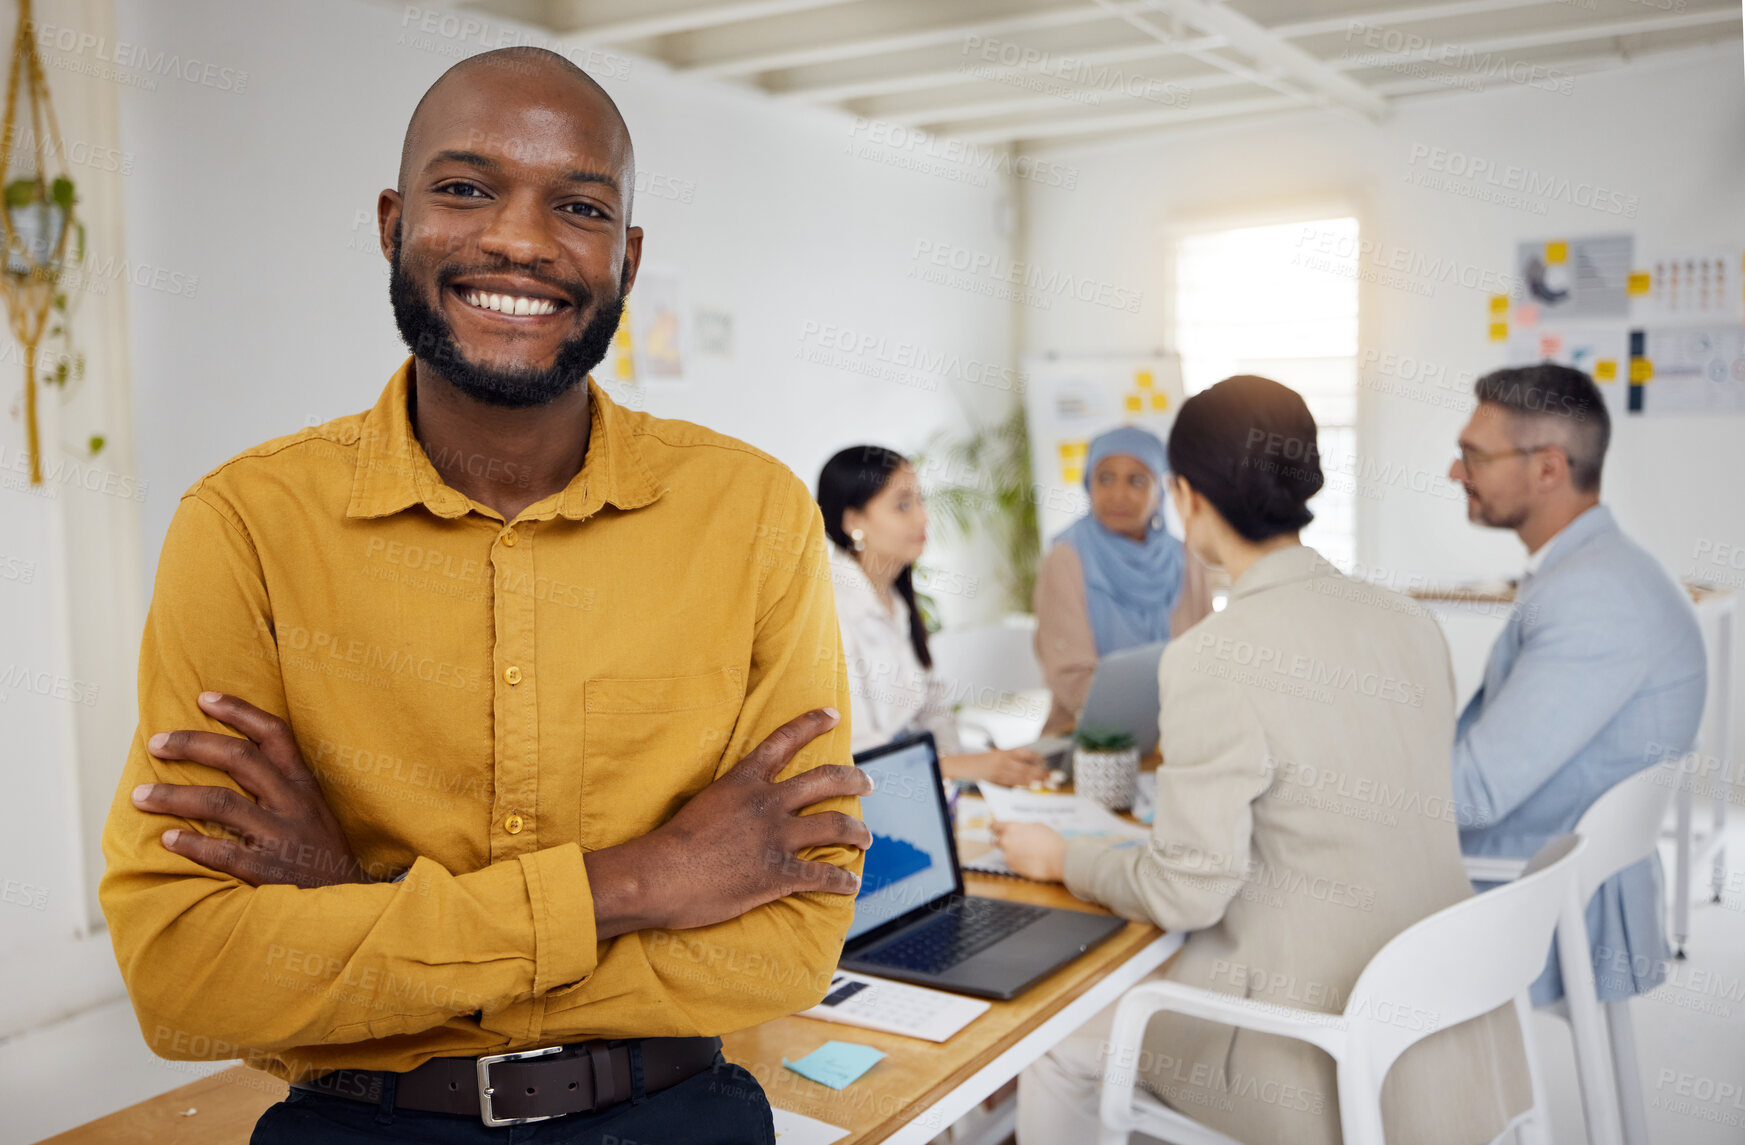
point(490, 760)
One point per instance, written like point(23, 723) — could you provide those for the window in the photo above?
point(1261, 300)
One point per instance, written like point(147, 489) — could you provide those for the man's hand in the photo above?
point(732, 848)
point(288, 834)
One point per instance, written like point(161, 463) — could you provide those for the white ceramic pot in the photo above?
point(1108, 777)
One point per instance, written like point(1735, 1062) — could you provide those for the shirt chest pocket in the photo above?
point(648, 745)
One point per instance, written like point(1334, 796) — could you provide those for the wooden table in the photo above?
point(911, 1096)
point(922, 1087)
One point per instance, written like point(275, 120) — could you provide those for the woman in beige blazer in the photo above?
point(1304, 817)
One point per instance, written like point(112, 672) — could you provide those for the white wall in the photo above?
point(268, 196)
point(1669, 132)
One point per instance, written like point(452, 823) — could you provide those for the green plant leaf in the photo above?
point(1093, 738)
point(98, 441)
point(62, 192)
point(23, 192)
point(987, 485)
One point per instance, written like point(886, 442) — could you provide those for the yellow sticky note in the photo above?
point(1499, 304)
point(1499, 331)
point(1159, 401)
point(1641, 282)
point(1606, 370)
point(1641, 370)
point(1134, 405)
point(1556, 253)
point(1070, 474)
point(1142, 379)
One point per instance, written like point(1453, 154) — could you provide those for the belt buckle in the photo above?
point(484, 1065)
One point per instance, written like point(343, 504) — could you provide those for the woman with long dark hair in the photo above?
point(877, 523)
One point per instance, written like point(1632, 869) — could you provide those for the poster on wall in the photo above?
point(1579, 280)
point(1687, 370)
point(1697, 287)
point(658, 327)
point(1068, 401)
point(1600, 351)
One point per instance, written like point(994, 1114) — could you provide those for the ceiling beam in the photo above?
point(1130, 121)
point(944, 77)
point(1275, 55)
point(881, 43)
point(673, 20)
point(1394, 17)
point(935, 113)
point(1542, 37)
point(1150, 49)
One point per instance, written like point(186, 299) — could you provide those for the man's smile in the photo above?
point(520, 306)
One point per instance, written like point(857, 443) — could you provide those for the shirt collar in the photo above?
point(1589, 521)
point(1281, 566)
point(394, 472)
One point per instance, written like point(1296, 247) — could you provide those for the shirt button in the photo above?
point(512, 824)
point(512, 674)
point(509, 538)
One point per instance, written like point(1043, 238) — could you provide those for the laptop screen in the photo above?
point(910, 861)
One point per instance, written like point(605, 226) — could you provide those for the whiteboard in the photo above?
point(1068, 401)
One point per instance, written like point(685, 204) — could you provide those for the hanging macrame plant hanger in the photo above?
point(37, 218)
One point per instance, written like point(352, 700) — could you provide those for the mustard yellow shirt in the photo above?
point(483, 703)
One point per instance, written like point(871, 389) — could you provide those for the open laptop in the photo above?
point(1123, 697)
point(912, 920)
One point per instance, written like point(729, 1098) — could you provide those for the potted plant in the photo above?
point(1105, 766)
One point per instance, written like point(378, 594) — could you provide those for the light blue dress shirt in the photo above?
point(1599, 674)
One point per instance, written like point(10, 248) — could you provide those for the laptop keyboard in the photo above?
point(964, 931)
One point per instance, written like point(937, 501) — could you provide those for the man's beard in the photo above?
point(428, 335)
point(1487, 515)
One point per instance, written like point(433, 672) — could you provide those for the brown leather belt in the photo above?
point(528, 1085)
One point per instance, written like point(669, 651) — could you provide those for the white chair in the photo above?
point(1622, 828)
point(990, 672)
point(1460, 962)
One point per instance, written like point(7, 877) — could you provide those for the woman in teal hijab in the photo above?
point(1115, 578)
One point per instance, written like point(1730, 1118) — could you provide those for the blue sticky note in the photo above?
point(835, 1064)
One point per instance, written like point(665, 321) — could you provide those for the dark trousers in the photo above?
point(720, 1106)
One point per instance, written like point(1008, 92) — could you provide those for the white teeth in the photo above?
point(509, 303)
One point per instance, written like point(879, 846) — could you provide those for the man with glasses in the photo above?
point(1600, 672)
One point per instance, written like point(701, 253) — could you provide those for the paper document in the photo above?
point(798, 1129)
point(1072, 815)
point(879, 1004)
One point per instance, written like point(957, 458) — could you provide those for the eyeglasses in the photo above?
point(1472, 457)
